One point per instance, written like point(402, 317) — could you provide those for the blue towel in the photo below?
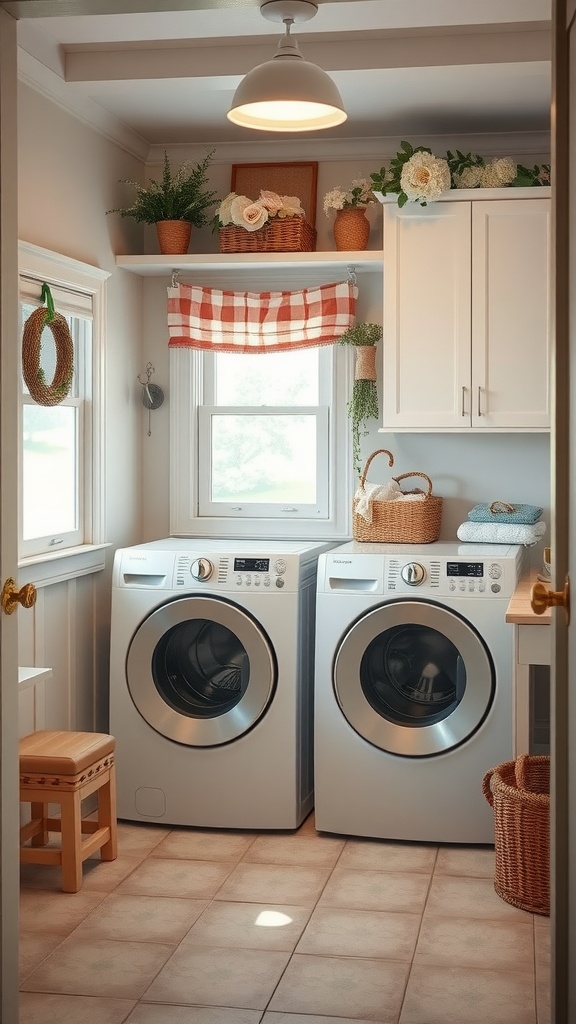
point(504, 512)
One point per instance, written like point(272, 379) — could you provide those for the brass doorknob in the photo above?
point(11, 596)
point(542, 598)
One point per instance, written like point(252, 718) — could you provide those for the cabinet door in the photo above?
point(426, 342)
point(510, 309)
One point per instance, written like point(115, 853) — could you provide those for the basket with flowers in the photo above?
point(271, 223)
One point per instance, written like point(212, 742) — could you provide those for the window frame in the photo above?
point(38, 265)
point(190, 372)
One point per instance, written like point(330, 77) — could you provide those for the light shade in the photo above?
point(287, 94)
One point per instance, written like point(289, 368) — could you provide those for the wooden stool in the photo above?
point(64, 768)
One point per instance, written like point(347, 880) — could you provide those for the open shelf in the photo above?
point(155, 266)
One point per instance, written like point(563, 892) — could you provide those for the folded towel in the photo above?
point(504, 512)
point(502, 533)
point(374, 492)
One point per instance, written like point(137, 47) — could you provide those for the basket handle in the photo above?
point(379, 451)
point(486, 787)
point(520, 771)
point(403, 476)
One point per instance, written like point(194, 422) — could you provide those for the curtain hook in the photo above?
point(175, 274)
point(352, 275)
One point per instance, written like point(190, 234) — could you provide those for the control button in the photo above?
point(413, 574)
point(481, 586)
point(257, 581)
point(462, 585)
point(495, 588)
point(238, 581)
point(267, 581)
point(280, 583)
point(471, 586)
point(280, 566)
point(451, 585)
point(494, 572)
point(201, 569)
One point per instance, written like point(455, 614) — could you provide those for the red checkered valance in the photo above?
point(255, 322)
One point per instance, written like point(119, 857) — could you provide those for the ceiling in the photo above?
point(165, 73)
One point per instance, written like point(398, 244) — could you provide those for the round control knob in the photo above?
point(201, 569)
point(413, 574)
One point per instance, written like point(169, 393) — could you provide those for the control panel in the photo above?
point(236, 572)
point(477, 577)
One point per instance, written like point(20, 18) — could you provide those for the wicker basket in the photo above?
point(399, 522)
point(291, 234)
point(519, 793)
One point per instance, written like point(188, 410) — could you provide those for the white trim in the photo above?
point(43, 570)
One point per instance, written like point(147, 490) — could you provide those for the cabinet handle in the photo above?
point(463, 406)
point(480, 413)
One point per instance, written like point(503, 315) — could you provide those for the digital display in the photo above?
point(251, 564)
point(465, 568)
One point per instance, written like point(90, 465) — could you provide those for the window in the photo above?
point(255, 440)
point(60, 470)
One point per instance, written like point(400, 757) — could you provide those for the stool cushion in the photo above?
point(61, 752)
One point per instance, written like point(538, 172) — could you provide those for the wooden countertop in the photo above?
point(519, 609)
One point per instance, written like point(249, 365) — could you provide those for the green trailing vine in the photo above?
point(363, 404)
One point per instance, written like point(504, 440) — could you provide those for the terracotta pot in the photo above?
point(351, 228)
point(173, 236)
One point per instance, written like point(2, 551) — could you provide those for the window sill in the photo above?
point(56, 567)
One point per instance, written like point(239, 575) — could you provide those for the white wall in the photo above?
point(68, 178)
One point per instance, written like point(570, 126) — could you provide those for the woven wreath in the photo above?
point(45, 316)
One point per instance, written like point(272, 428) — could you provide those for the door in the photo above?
point(8, 525)
point(563, 690)
point(201, 671)
point(414, 678)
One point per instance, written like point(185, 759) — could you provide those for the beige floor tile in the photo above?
point(160, 1013)
point(309, 851)
point(211, 976)
point(135, 837)
point(338, 986)
point(404, 892)
point(263, 883)
point(463, 942)
point(308, 826)
point(451, 896)
point(192, 845)
point(190, 879)
point(88, 967)
point(105, 875)
point(56, 911)
point(379, 855)
point(142, 918)
point(360, 933)
point(304, 1018)
point(33, 948)
point(466, 860)
point(42, 1008)
point(461, 996)
point(249, 926)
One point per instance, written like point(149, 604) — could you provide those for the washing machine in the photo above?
point(414, 692)
point(211, 682)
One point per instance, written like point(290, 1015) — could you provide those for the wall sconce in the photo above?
point(287, 93)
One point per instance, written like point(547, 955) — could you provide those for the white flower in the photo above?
point(271, 201)
point(499, 172)
point(224, 214)
point(424, 177)
point(247, 214)
point(334, 200)
point(291, 207)
point(470, 177)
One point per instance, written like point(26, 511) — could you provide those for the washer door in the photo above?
point(414, 678)
point(201, 671)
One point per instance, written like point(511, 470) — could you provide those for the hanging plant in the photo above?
point(363, 404)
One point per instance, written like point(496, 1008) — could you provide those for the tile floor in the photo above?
point(196, 927)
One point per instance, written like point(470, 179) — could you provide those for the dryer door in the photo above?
point(414, 678)
point(201, 671)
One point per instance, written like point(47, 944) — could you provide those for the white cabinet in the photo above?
point(466, 306)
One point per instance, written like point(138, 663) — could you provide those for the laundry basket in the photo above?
point(399, 522)
point(519, 793)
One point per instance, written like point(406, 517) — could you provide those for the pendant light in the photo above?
point(287, 93)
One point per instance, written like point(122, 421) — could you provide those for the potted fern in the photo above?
point(173, 204)
point(363, 404)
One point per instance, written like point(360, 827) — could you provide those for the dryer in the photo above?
point(211, 682)
point(414, 692)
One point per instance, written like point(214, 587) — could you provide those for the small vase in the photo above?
point(351, 228)
point(173, 236)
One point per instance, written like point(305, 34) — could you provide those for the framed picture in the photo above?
point(298, 179)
